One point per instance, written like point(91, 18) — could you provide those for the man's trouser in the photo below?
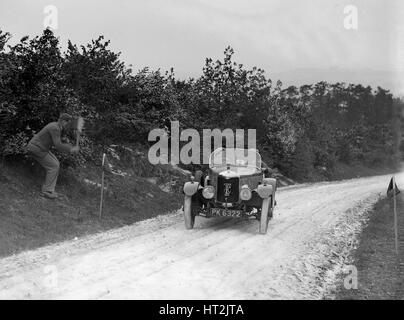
point(51, 165)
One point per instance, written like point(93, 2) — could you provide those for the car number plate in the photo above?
point(226, 212)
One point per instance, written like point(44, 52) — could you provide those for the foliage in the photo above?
point(298, 129)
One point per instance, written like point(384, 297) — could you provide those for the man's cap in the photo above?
point(65, 117)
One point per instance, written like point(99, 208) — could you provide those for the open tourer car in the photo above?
point(236, 185)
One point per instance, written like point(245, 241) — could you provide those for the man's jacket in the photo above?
point(49, 136)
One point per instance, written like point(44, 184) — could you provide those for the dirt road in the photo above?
point(313, 229)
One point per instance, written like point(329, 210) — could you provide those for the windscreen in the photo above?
point(235, 157)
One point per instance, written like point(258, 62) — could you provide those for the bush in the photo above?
point(298, 129)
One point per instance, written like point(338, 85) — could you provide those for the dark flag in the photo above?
point(106, 166)
point(390, 188)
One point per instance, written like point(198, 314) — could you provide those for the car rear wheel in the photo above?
point(266, 207)
point(188, 216)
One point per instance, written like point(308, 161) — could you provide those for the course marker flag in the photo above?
point(390, 188)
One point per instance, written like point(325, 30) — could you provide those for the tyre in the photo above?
point(266, 207)
point(272, 207)
point(188, 216)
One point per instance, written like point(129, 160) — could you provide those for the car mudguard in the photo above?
point(270, 181)
point(191, 187)
point(265, 190)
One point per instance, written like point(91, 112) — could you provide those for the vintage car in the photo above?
point(236, 185)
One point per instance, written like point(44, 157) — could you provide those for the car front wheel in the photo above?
point(188, 216)
point(266, 206)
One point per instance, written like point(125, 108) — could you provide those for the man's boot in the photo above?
point(49, 194)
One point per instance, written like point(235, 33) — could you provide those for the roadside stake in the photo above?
point(392, 191)
point(102, 185)
point(395, 215)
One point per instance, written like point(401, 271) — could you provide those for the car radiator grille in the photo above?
point(227, 189)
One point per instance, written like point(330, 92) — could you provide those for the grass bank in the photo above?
point(29, 221)
point(380, 269)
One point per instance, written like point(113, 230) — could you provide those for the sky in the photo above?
point(296, 41)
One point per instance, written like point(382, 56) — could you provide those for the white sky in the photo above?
point(297, 41)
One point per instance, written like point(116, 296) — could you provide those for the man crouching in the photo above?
point(39, 148)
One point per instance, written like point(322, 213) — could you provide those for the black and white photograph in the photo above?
point(201, 154)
